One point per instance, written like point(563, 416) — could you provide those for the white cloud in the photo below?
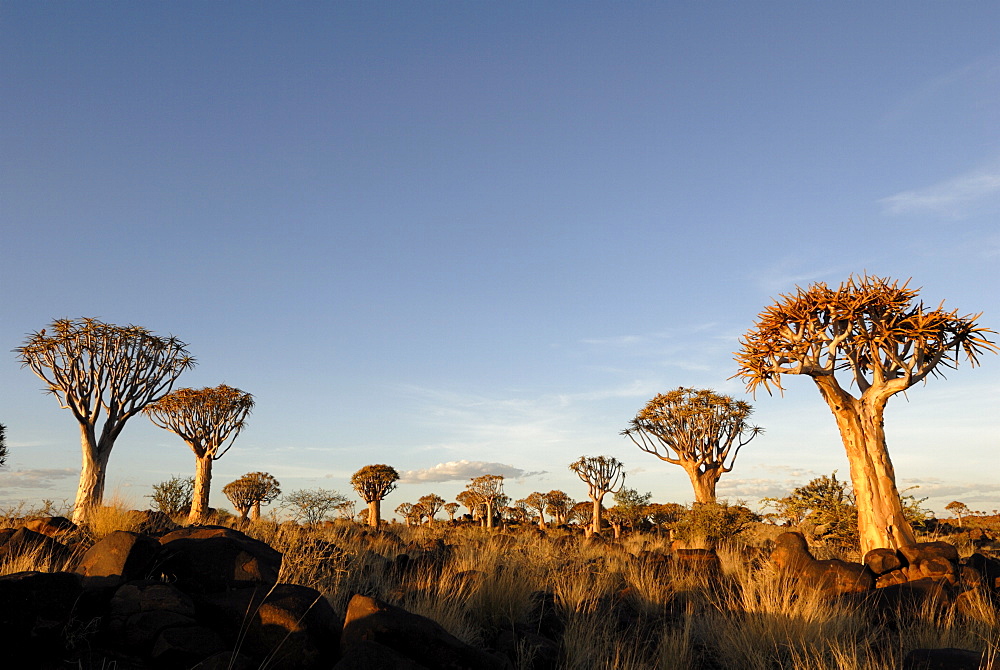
point(952, 198)
point(461, 470)
point(34, 479)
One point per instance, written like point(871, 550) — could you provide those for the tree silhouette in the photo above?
point(206, 419)
point(251, 491)
point(602, 474)
point(873, 332)
point(373, 483)
point(102, 371)
point(697, 429)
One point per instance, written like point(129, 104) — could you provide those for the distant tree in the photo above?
point(472, 502)
point(874, 332)
point(536, 502)
point(3, 445)
point(373, 483)
point(173, 496)
point(558, 505)
point(698, 429)
point(346, 511)
point(581, 513)
point(450, 509)
point(489, 491)
point(310, 506)
point(251, 491)
point(206, 419)
point(959, 509)
point(602, 475)
point(707, 524)
point(406, 511)
point(665, 515)
point(631, 509)
point(432, 505)
point(97, 370)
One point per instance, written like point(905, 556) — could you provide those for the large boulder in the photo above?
point(215, 559)
point(414, 637)
point(36, 608)
point(53, 526)
point(293, 627)
point(118, 557)
point(139, 612)
point(833, 577)
point(43, 550)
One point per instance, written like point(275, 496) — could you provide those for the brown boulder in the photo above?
point(414, 637)
point(119, 557)
point(791, 551)
point(922, 551)
point(835, 577)
point(36, 607)
point(43, 549)
point(882, 561)
point(366, 655)
point(53, 526)
point(214, 558)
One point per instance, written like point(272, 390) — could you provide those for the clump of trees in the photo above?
point(698, 429)
point(871, 334)
point(250, 491)
point(105, 375)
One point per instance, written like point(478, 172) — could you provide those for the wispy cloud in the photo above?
point(461, 470)
point(952, 198)
point(34, 479)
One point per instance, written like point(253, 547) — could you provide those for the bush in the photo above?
point(173, 496)
point(711, 523)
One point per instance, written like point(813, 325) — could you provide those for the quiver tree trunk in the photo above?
point(881, 520)
point(202, 486)
point(596, 517)
point(90, 491)
point(704, 483)
point(375, 513)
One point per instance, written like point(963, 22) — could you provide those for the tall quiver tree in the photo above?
point(100, 371)
point(373, 483)
point(602, 475)
point(206, 419)
point(697, 429)
point(874, 334)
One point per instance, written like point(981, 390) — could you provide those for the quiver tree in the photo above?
point(207, 419)
point(472, 502)
point(558, 506)
point(405, 510)
point(959, 509)
point(251, 491)
point(488, 489)
point(102, 372)
point(603, 475)
point(432, 505)
point(873, 335)
point(536, 502)
point(697, 429)
point(450, 509)
point(373, 483)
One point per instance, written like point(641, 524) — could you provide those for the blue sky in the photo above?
point(462, 238)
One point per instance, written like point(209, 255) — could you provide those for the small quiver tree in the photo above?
point(602, 475)
point(100, 371)
point(536, 502)
point(251, 491)
point(881, 341)
point(558, 506)
point(373, 483)
point(697, 429)
point(488, 490)
point(431, 504)
point(207, 419)
point(959, 509)
point(450, 509)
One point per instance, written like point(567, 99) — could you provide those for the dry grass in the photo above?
point(617, 610)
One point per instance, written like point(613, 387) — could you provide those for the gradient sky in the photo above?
point(465, 238)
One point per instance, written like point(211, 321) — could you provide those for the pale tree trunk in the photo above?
point(541, 519)
point(202, 486)
point(489, 516)
point(596, 520)
point(703, 484)
point(881, 520)
point(90, 492)
point(375, 513)
point(255, 511)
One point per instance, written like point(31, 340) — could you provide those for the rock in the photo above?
point(414, 637)
point(155, 523)
point(988, 569)
point(543, 617)
point(366, 655)
point(938, 568)
point(36, 607)
point(43, 548)
point(882, 561)
point(922, 551)
point(791, 551)
point(946, 659)
point(184, 647)
point(119, 557)
point(214, 559)
point(53, 526)
point(896, 600)
point(836, 577)
point(292, 626)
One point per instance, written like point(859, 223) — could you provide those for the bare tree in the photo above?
point(310, 506)
point(603, 475)
point(697, 429)
point(558, 505)
point(489, 490)
point(432, 505)
point(536, 502)
point(450, 509)
point(873, 332)
point(95, 369)
point(373, 483)
point(251, 491)
point(206, 419)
